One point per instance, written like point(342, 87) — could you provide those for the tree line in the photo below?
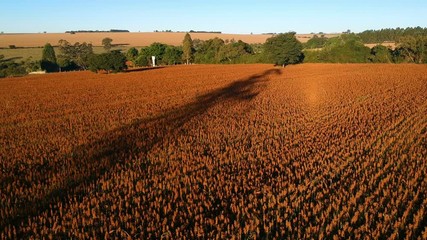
point(391, 34)
point(281, 49)
point(97, 31)
point(80, 56)
point(350, 48)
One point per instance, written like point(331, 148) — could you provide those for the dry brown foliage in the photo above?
point(216, 152)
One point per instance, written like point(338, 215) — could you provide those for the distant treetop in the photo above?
point(95, 31)
point(192, 31)
point(391, 34)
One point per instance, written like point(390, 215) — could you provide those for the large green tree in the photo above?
point(413, 48)
point(113, 61)
point(172, 55)
point(132, 54)
point(381, 54)
point(158, 50)
point(48, 53)
point(347, 48)
point(187, 49)
point(143, 58)
point(316, 42)
point(233, 51)
point(284, 49)
point(208, 51)
point(74, 56)
point(48, 62)
point(155, 49)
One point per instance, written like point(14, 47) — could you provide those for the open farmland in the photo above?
point(130, 38)
point(216, 152)
point(36, 53)
point(31, 44)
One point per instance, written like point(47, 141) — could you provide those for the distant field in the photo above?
point(132, 39)
point(36, 52)
point(29, 45)
point(391, 45)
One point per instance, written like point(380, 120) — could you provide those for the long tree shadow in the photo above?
point(10, 59)
point(140, 69)
point(88, 162)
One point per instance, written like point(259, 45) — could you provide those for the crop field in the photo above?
point(132, 39)
point(311, 151)
point(35, 53)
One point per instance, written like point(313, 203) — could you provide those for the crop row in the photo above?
point(243, 151)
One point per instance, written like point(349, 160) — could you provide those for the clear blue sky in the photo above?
point(239, 16)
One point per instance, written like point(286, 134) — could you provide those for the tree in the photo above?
point(66, 64)
point(233, 51)
point(284, 49)
point(132, 54)
point(113, 61)
point(48, 62)
point(207, 51)
point(315, 42)
point(381, 54)
point(74, 56)
point(347, 48)
point(155, 49)
point(398, 55)
point(158, 50)
point(413, 48)
point(172, 55)
point(9, 68)
point(187, 49)
point(83, 52)
point(31, 65)
point(143, 58)
point(106, 42)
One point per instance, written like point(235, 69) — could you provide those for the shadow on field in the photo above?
point(10, 59)
point(139, 69)
point(87, 163)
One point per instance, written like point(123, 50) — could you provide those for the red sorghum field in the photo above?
point(324, 151)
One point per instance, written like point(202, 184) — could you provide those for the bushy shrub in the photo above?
point(113, 61)
point(9, 68)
